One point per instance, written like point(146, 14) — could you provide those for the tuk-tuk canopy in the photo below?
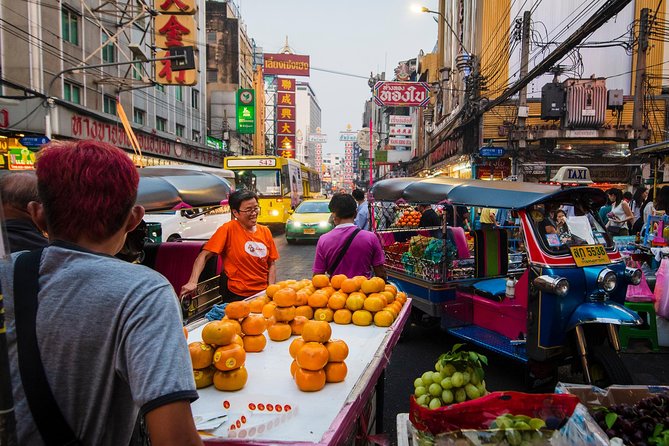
point(479, 193)
point(164, 188)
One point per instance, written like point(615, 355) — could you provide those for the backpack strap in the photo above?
point(45, 411)
point(343, 250)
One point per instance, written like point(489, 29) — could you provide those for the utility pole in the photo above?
point(639, 90)
point(522, 95)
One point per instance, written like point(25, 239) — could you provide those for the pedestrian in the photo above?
point(362, 216)
point(428, 216)
point(619, 215)
point(247, 249)
point(488, 218)
point(17, 190)
point(637, 203)
point(105, 345)
point(347, 249)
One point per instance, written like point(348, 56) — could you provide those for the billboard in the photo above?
point(174, 27)
point(401, 94)
point(246, 111)
point(286, 64)
point(285, 117)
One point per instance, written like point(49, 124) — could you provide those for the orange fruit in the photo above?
point(316, 331)
point(328, 290)
point(201, 354)
point(297, 324)
point(390, 296)
point(237, 339)
point(349, 286)
point(272, 289)
point(293, 368)
point(268, 309)
point(254, 324)
point(271, 321)
point(285, 297)
point(392, 288)
point(362, 317)
point(254, 343)
point(304, 310)
point(380, 296)
point(231, 380)
point(401, 296)
point(204, 377)
point(380, 284)
point(235, 324)
point(368, 286)
point(309, 380)
point(392, 310)
point(337, 350)
point(335, 372)
point(238, 309)
point(359, 280)
point(342, 317)
point(302, 297)
point(324, 314)
point(374, 304)
point(257, 304)
point(355, 301)
point(320, 280)
point(337, 280)
point(295, 346)
point(279, 331)
point(284, 314)
point(383, 318)
point(229, 357)
point(218, 332)
point(312, 356)
point(319, 299)
point(337, 301)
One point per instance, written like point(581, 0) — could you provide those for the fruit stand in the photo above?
point(270, 409)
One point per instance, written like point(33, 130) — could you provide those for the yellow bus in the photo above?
point(281, 184)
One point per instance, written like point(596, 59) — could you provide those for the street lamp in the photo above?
point(417, 8)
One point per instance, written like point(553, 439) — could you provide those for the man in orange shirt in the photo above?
point(247, 249)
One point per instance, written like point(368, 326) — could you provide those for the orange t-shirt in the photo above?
point(245, 255)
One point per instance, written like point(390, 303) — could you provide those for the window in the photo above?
point(212, 76)
point(196, 136)
point(195, 99)
point(137, 71)
point(108, 51)
point(161, 123)
point(109, 105)
point(179, 93)
point(211, 36)
point(180, 130)
point(70, 26)
point(160, 87)
point(72, 92)
point(138, 116)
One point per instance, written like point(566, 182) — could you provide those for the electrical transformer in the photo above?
point(586, 103)
point(552, 101)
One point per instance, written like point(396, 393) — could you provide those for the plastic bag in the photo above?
point(640, 292)
point(662, 289)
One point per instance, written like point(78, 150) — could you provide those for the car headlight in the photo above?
point(324, 224)
point(296, 224)
point(274, 212)
point(607, 280)
point(551, 284)
point(633, 275)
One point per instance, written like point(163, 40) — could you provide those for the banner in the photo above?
point(286, 64)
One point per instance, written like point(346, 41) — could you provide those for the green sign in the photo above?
point(381, 156)
point(215, 143)
point(246, 111)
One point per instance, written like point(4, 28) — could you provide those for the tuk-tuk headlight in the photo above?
point(633, 275)
point(551, 284)
point(607, 280)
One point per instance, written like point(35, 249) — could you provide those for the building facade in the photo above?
point(308, 119)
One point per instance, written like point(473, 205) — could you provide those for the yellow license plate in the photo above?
point(589, 255)
point(309, 231)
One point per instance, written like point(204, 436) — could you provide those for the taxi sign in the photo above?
point(572, 175)
point(589, 255)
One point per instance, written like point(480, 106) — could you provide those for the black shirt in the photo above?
point(23, 235)
point(429, 218)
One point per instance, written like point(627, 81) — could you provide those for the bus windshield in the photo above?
point(265, 183)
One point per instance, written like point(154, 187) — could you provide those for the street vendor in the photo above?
point(247, 249)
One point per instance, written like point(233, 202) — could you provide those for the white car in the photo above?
point(192, 223)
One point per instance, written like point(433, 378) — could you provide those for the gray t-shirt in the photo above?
point(111, 340)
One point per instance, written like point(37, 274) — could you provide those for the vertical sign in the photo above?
point(246, 114)
point(174, 27)
point(285, 117)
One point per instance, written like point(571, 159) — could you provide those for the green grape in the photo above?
point(434, 389)
point(446, 383)
point(420, 391)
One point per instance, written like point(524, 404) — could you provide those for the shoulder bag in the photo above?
point(341, 253)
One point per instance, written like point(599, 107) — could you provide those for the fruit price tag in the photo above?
point(589, 255)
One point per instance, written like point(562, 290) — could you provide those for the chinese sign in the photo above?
point(246, 111)
point(401, 131)
point(401, 94)
point(286, 64)
point(285, 117)
point(174, 27)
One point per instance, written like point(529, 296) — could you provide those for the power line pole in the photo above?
point(640, 73)
point(522, 95)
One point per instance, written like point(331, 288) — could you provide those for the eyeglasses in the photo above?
point(255, 210)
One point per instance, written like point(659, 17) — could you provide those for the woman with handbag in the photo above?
point(620, 214)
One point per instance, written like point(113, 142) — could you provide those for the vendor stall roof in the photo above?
point(499, 194)
point(164, 188)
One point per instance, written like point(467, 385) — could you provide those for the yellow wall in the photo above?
point(495, 45)
point(655, 53)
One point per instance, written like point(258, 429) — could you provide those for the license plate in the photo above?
point(309, 231)
point(589, 255)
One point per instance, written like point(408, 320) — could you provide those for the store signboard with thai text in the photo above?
point(348, 136)
point(400, 119)
point(401, 94)
point(286, 64)
point(174, 26)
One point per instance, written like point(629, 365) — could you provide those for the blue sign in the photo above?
point(34, 141)
point(492, 152)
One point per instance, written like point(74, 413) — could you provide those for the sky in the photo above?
point(354, 37)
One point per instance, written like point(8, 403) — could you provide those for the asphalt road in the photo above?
point(421, 345)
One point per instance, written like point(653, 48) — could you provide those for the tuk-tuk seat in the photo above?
point(493, 289)
point(491, 248)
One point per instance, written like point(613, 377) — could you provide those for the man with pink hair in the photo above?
point(96, 339)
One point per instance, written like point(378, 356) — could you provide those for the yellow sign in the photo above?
point(175, 30)
point(166, 76)
point(589, 255)
point(175, 6)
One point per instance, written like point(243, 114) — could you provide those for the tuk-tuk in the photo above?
point(548, 293)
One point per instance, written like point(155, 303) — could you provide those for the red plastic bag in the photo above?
point(480, 413)
point(640, 292)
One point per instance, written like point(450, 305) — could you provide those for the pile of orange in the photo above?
point(219, 359)
point(317, 359)
point(408, 218)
